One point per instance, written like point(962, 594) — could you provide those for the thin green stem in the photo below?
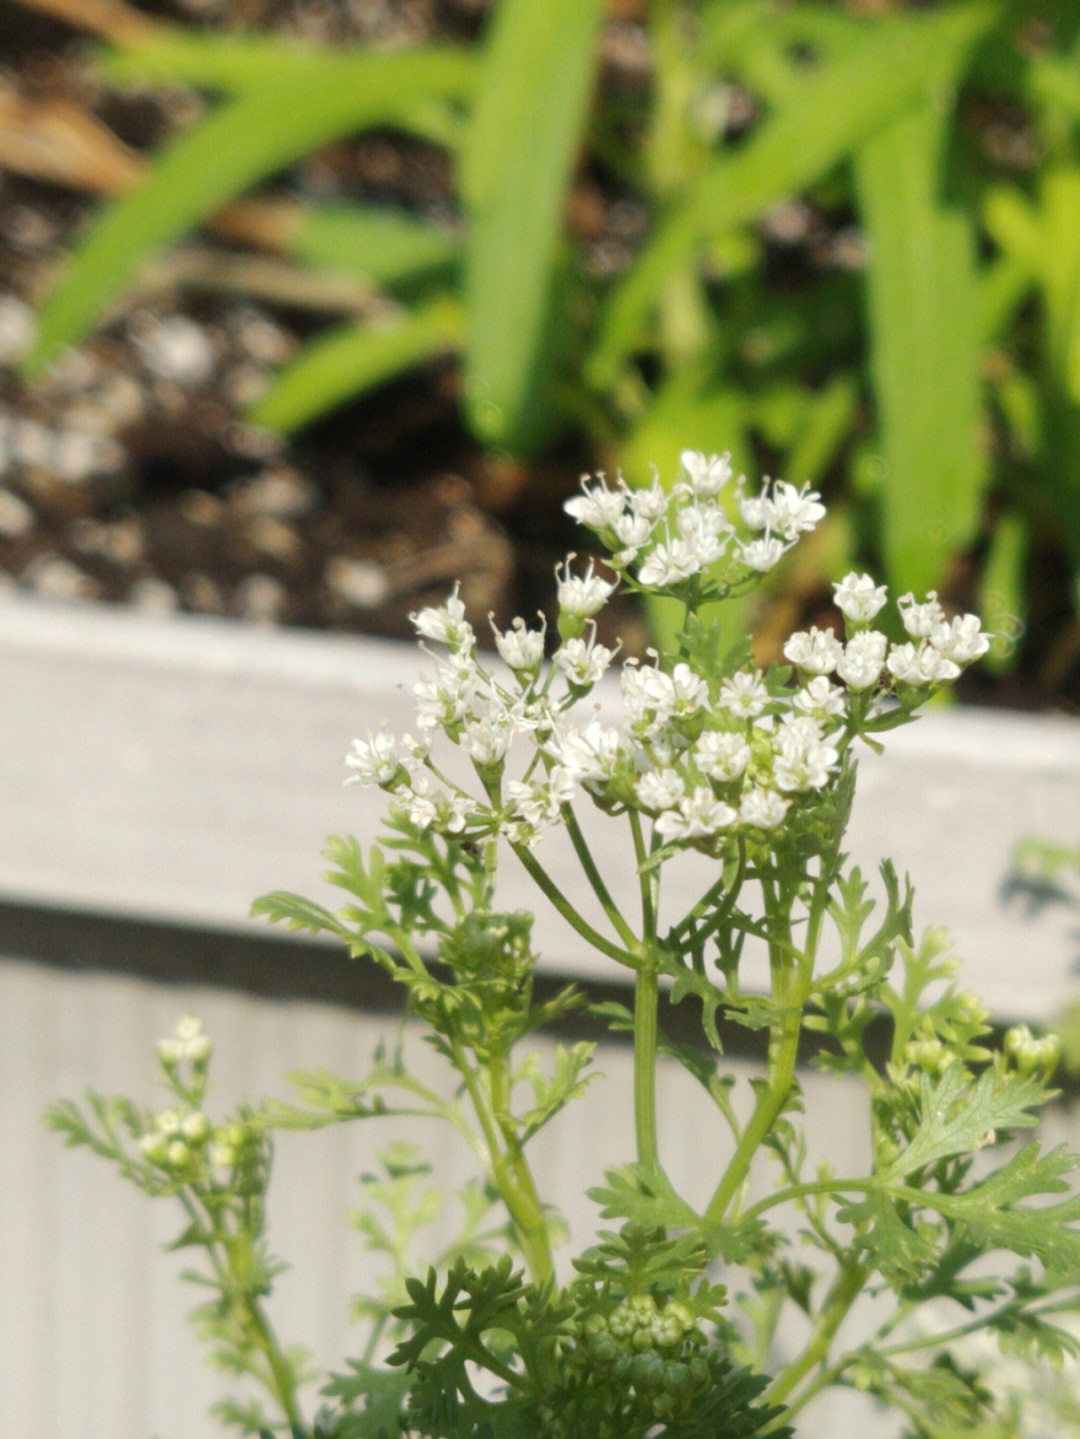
point(280, 1379)
point(846, 1288)
point(649, 881)
point(596, 881)
point(507, 1164)
point(547, 885)
point(802, 1191)
point(646, 1002)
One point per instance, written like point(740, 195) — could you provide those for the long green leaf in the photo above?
point(840, 104)
point(353, 358)
point(249, 63)
point(386, 246)
point(239, 144)
point(524, 137)
point(925, 331)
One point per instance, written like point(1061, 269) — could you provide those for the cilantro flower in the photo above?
point(581, 596)
point(857, 598)
point(814, 651)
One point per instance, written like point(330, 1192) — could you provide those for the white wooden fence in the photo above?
point(155, 776)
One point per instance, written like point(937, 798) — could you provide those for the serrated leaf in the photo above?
point(958, 1116)
point(300, 913)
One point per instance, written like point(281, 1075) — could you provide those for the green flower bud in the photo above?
point(647, 1370)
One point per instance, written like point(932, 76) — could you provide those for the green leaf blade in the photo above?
point(516, 167)
point(236, 146)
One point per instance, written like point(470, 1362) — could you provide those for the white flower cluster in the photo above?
point(671, 536)
point(703, 757)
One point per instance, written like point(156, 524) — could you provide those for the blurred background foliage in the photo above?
point(840, 240)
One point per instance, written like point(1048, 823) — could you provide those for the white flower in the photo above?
point(520, 648)
point(486, 741)
point(598, 508)
point(795, 512)
point(583, 662)
point(537, 803)
point(762, 808)
point(581, 595)
point(721, 755)
point(689, 692)
point(819, 697)
point(858, 598)
point(649, 696)
point(762, 554)
point(963, 640)
point(802, 760)
point(708, 475)
point(650, 504)
point(632, 532)
point(446, 624)
point(920, 665)
point(418, 804)
point(447, 700)
point(379, 760)
point(659, 789)
point(925, 621)
point(591, 755)
point(670, 562)
point(814, 651)
point(860, 664)
point(744, 694)
point(697, 815)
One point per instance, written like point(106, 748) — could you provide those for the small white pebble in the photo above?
point(58, 579)
point(201, 508)
point(281, 492)
point(153, 595)
point(16, 328)
point(78, 456)
point(273, 537)
point(176, 349)
point(16, 516)
point(360, 582)
point(31, 443)
point(261, 598)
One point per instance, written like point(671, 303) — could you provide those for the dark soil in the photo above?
point(128, 476)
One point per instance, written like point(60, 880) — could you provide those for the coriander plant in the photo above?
point(665, 1324)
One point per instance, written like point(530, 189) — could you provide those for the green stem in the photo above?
point(281, 1380)
point(784, 1047)
point(547, 885)
point(509, 1169)
point(792, 974)
point(593, 875)
point(845, 1290)
point(284, 1380)
point(649, 882)
point(646, 1002)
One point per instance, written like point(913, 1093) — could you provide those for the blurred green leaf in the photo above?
point(839, 104)
point(354, 357)
point(924, 332)
point(385, 246)
point(1002, 591)
point(237, 145)
point(525, 135)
